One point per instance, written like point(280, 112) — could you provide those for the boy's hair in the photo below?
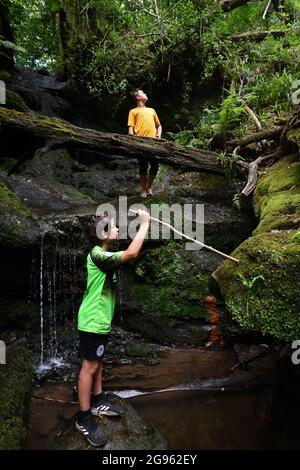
point(135, 93)
point(92, 227)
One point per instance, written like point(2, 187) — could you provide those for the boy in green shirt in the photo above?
point(94, 324)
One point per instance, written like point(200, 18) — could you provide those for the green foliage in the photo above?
point(249, 283)
point(175, 48)
point(10, 46)
point(236, 200)
point(35, 24)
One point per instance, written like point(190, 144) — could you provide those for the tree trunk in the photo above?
point(56, 133)
point(6, 55)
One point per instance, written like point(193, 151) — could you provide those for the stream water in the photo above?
point(264, 417)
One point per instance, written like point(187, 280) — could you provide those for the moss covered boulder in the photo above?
point(262, 292)
point(16, 102)
point(164, 294)
point(15, 395)
point(17, 226)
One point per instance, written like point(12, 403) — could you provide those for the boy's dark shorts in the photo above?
point(92, 346)
point(143, 167)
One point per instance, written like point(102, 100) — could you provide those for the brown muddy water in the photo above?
point(216, 418)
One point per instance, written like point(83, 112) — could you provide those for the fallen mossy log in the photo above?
point(51, 133)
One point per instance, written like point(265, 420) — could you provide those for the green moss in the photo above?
point(281, 211)
point(5, 76)
point(15, 394)
point(52, 124)
point(14, 215)
point(10, 203)
point(57, 124)
point(138, 350)
point(75, 194)
point(208, 181)
point(277, 196)
point(14, 101)
point(168, 284)
point(7, 163)
point(270, 303)
point(200, 181)
point(293, 137)
point(262, 291)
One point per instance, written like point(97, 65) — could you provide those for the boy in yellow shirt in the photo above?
point(144, 122)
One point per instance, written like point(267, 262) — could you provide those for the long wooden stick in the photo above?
point(190, 238)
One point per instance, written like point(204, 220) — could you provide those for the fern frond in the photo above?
point(10, 45)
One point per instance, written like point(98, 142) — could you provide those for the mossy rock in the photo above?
point(165, 293)
point(16, 224)
point(10, 202)
point(200, 181)
point(14, 101)
point(276, 199)
point(15, 395)
point(5, 76)
point(262, 291)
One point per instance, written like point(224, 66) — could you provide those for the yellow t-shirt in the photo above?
point(144, 121)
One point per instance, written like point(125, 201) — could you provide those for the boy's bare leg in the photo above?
point(150, 180)
point(143, 180)
point(85, 383)
point(97, 383)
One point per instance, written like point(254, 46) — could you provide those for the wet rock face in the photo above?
point(129, 432)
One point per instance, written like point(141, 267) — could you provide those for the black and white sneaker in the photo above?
point(101, 405)
point(92, 431)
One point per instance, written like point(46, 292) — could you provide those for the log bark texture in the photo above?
point(51, 133)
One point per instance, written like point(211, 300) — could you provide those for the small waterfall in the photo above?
point(55, 291)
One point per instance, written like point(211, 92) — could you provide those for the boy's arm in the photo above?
point(137, 243)
point(157, 125)
point(130, 130)
point(158, 132)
